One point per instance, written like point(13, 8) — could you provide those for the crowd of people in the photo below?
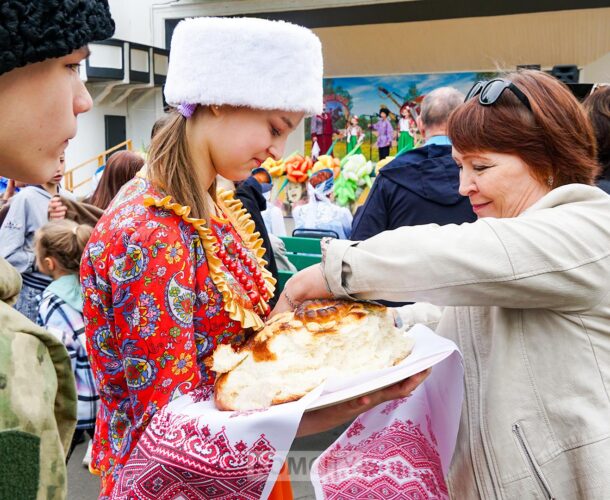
point(111, 305)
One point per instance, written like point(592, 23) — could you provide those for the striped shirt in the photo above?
point(66, 323)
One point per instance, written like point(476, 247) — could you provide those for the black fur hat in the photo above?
point(34, 30)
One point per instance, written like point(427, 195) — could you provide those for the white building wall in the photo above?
point(133, 20)
point(143, 111)
point(598, 71)
point(89, 141)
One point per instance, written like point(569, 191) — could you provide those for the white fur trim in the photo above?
point(245, 62)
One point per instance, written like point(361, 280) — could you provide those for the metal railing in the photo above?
point(101, 159)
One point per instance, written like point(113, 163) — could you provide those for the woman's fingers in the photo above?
point(399, 390)
point(306, 284)
point(327, 418)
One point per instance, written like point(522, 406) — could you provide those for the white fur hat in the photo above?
point(245, 62)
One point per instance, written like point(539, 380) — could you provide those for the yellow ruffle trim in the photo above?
point(244, 226)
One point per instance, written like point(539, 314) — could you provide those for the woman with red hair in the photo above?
point(525, 291)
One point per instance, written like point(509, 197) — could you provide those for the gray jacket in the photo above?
point(28, 211)
point(527, 300)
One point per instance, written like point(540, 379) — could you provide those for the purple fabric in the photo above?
point(385, 131)
point(186, 109)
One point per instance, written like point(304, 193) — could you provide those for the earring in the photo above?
point(549, 181)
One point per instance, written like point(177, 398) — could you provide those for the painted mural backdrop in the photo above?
point(365, 95)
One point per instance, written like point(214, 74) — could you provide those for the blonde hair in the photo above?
point(170, 167)
point(65, 241)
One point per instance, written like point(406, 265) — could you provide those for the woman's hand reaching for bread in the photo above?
point(306, 284)
point(311, 284)
point(329, 418)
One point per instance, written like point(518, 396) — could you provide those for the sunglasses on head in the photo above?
point(597, 87)
point(490, 91)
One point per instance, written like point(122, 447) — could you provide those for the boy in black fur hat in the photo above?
point(42, 43)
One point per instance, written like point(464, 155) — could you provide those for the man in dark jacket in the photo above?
point(420, 187)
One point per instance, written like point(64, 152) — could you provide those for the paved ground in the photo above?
point(84, 486)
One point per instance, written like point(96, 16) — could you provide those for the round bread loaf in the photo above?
point(296, 352)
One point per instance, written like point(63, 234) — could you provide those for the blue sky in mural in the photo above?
point(367, 98)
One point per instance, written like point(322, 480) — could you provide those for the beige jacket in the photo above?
point(527, 301)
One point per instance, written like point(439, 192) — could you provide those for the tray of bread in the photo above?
point(322, 341)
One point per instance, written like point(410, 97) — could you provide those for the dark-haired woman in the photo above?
point(525, 290)
point(121, 167)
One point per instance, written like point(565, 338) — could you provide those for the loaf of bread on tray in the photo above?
point(295, 352)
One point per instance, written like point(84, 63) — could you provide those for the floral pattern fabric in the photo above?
point(153, 313)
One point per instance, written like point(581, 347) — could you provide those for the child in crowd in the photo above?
point(406, 129)
point(59, 246)
point(384, 132)
point(120, 168)
point(321, 212)
point(28, 212)
point(355, 136)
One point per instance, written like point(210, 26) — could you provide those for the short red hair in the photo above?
point(554, 139)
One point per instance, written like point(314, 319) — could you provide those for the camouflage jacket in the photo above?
point(37, 402)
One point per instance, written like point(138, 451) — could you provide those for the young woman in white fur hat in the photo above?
point(173, 269)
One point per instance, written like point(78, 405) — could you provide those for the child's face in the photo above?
point(59, 172)
point(294, 192)
point(240, 139)
point(39, 104)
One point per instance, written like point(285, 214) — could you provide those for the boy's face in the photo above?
point(39, 104)
point(58, 175)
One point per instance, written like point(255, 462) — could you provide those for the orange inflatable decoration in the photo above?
point(297, 168)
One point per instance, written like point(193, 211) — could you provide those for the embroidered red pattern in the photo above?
point(178, 457)
point(397, 462)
